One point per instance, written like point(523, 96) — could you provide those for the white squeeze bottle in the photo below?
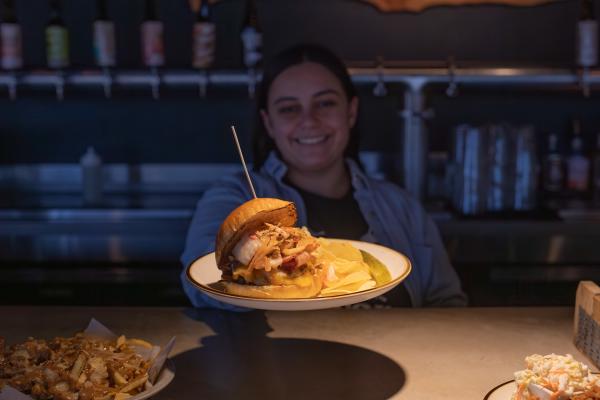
point(91, 174)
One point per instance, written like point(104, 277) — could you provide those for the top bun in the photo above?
point(249, 217)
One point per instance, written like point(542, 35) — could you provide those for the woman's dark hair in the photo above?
point(262, 142)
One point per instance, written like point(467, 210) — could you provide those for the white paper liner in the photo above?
point(97, 330)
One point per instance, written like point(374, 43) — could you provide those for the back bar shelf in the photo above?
point(412, 77)
point(412, 82)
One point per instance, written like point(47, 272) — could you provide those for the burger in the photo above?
point(261, 254)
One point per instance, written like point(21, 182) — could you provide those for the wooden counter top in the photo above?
point(352, 354)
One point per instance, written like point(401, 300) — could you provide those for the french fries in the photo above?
point(77, 367)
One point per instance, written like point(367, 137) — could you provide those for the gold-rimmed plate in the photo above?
point(204, 274)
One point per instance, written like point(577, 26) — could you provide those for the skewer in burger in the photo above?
point(261, 254)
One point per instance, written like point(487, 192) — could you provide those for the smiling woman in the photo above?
point(308, 112)
point(306, 151)
point(309, 117)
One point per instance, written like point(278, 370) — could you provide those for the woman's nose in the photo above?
point(309, 118)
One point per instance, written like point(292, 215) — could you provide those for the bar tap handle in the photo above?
point(203, 83)
point(251, 82)
point(584, 81)
point(107, 82)
point(452, 89)
point(59, 85)
point(155, 83)
point(586, 43)
point(380, 90)
point(12, 87)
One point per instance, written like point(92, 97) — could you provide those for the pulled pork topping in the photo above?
point(273, 249)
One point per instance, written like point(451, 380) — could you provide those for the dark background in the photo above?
point(133, 128)
point(355, 29)
point(182, 127)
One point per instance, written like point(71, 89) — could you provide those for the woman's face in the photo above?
point(309, 117)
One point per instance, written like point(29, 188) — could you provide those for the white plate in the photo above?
point(503, 391)
point(203, 272)
point(163, 379)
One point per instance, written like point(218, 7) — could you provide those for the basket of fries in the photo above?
point(94, 364)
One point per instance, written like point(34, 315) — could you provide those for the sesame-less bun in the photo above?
point(309, 285)
point(249, 217)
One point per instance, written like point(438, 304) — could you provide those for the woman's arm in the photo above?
point(443, 288)
point(214, 206)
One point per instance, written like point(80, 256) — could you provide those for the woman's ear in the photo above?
point(266, 122)
point(353, 111)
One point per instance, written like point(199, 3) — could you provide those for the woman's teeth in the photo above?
point(311, 140)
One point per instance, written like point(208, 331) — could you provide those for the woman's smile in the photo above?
point(311, 140)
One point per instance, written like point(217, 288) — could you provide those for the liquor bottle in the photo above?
point(203, 37)
point(152, 37)
point(578, 165)
point(587, 35)
point(596, 172)
point(11, 48)
point(553, 172)
point(251, 36)
point(104, 37)
point(57, 38)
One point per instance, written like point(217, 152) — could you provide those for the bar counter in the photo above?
point(341, 353)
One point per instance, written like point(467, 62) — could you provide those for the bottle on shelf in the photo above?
point(252, 36)
point(104, 37)
point(553, 168)
point(152, 36)
point(57, 38)
point(587, 36)
point(203, 35)
point(11, 47)
point(596, 172)
point(578, 165)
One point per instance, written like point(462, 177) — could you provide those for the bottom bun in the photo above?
point(275, 291)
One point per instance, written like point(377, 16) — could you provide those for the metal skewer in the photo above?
point(237, 143)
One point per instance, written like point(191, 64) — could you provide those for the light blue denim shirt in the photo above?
point(394, 218)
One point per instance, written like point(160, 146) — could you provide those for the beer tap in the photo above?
point(587, 43)
point(12, 86)
point(584, 81)
point(251, 82)
point(380, 89)
point(155, 83)
point(452, 89)
point(59, 85)
point(107, 82)
point(203, 83)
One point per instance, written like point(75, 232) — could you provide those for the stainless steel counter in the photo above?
point(416, 354)
point(49, 237)
point(500, 262)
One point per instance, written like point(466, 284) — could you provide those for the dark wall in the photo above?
point(181, 127)
point(358, 31)
point(178, 128)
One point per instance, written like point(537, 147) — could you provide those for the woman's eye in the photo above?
point(326, 103)
point(289, 109)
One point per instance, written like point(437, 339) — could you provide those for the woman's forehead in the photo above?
point(304, 80)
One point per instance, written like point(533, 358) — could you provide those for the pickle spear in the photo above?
point(378, 270)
